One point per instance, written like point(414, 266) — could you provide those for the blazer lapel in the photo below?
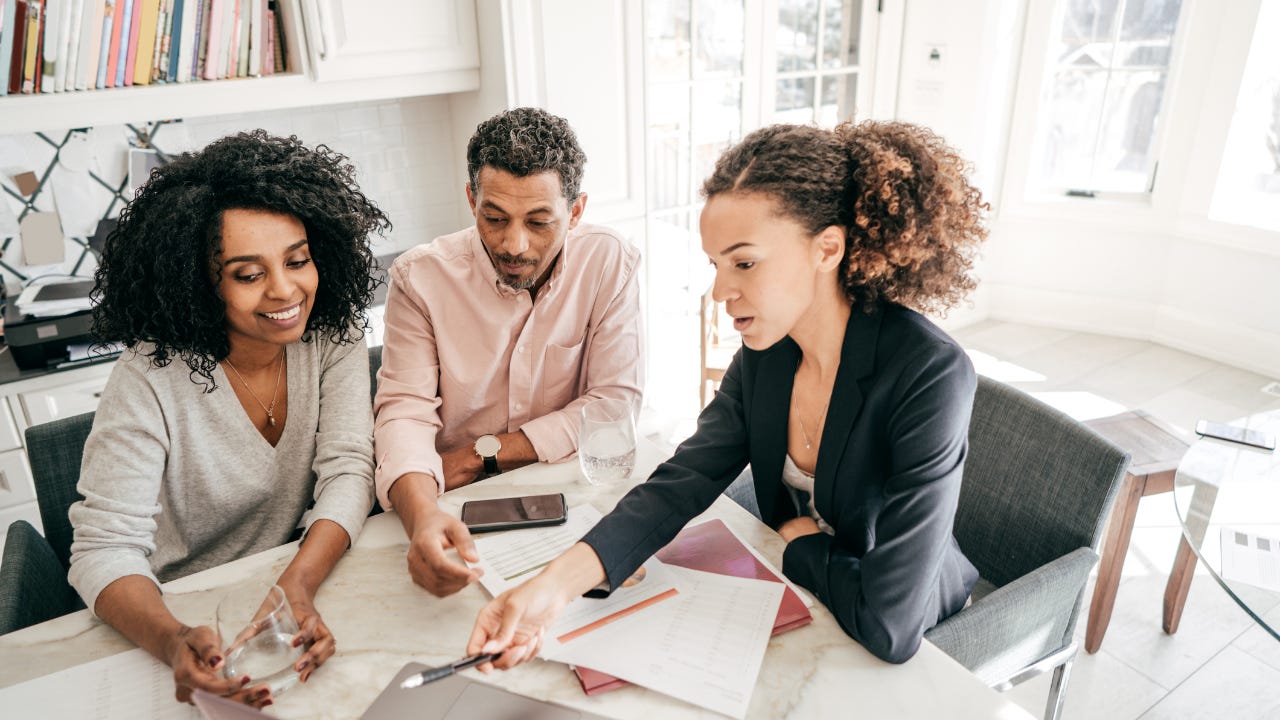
point(775, 375)
point(857, 360)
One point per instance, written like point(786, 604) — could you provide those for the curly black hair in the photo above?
point(913, 222)
point(526, 141)
point(157, 279)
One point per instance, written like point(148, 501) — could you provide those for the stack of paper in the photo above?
point(702, 642)
point(56, 298)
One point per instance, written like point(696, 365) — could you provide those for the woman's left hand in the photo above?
point(798, 527)
point(313, 634)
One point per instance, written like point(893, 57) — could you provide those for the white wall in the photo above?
point(1154, 269)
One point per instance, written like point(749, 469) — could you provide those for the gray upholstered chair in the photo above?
point(33, 585)
point(1037, 489)
point(33, 574)
point(375, 362)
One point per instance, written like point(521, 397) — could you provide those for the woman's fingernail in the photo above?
point(244, 681)
point(216, 661)
point(264, 692)
point(303, 665)
point(267, 703)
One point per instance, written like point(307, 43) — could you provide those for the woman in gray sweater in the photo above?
point(239, 412)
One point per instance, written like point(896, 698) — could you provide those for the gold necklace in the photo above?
point(807, 444)
point(269, 409)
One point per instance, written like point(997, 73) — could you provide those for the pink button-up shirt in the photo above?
point(465, 355)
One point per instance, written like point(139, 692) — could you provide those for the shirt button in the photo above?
point(520, 349)
point(519, 406)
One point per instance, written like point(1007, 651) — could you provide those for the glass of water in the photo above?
point(257, 636)
point(607, 441)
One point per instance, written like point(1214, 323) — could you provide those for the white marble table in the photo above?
point(382, 620)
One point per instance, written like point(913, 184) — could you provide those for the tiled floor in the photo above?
point(1219, 664)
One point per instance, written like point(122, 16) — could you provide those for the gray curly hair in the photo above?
point(526, 141)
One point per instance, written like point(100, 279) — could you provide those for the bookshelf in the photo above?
point(332, 57)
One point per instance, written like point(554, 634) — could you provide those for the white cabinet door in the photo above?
point(16, 486)
point(356, 39)
point(63, 401)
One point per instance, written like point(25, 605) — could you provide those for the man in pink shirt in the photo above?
point(498, 334)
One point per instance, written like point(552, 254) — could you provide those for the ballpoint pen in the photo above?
point(444, 671)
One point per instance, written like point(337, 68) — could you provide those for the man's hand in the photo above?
point(430, 566)
point(798, 527)
point(461, 467)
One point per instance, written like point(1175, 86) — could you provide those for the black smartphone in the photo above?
point(514, 512)
point(1256, 438)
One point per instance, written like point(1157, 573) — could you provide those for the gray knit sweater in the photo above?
point(177, 480)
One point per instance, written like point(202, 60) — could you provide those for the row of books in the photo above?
point(49, 46)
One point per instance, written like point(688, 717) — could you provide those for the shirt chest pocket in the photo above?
point(561, 371)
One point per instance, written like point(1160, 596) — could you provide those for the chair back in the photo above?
point(1037, 484)
point(55, 449)
point(375, 362)
point(33, 586)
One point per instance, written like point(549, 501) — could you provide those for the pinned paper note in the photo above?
point(27, 183)
point(42, 239)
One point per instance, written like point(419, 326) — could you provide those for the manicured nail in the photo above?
point(264, 692)
point(269, 702)
point(244, 681)
point(216, 660)
point(303, 665)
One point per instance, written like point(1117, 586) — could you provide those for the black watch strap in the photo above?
point(490, 464)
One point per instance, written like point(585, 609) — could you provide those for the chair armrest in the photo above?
point(1019, 623)
point(33, 584)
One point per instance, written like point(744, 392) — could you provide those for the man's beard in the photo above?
point(514, 281)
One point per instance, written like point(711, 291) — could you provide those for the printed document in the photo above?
point(511, 557)
point(705, 646)
point(129, 685)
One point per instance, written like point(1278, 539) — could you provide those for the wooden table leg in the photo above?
point(1175, 592)
point(1114, 549)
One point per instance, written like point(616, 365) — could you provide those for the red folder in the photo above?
point(711, 547)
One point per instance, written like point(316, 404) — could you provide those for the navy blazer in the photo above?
point(887, 478)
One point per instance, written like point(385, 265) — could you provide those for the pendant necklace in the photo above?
point(270, 409)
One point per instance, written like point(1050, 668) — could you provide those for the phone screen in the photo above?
point(530, 509)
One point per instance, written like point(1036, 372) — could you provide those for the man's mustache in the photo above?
point(514, 259)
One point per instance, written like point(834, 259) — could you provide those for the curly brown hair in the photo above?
point(526, 141)
point(157, 279)
point(912, 220)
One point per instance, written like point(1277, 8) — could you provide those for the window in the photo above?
point(714, 71)
point(1248, 185)
point(1105, 81)
point(817, 44)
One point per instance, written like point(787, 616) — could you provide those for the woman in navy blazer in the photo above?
point(852, 409)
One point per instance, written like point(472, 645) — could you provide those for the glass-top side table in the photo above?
point(1226, 491)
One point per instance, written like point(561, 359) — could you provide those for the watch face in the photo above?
point(488, 446)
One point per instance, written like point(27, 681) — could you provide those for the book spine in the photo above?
point(228, 37)
point(6, 43)
point(71, 56)
point(201, 45)
point(242, 44)
point(35, 11)
point(104, 47)
point(175, 42)
point(90, 78)
point(53, 13)
point(157, 54)
point(146, 42)
point(214, 44)
point(18, 54)
point(280, 47)
point(88, 35)
point(122, 57)
point(256, 36)
point(135, 36)
point(230, 33)
point(113, 50)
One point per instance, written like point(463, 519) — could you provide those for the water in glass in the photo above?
point(607, 441)
point(258, 637)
